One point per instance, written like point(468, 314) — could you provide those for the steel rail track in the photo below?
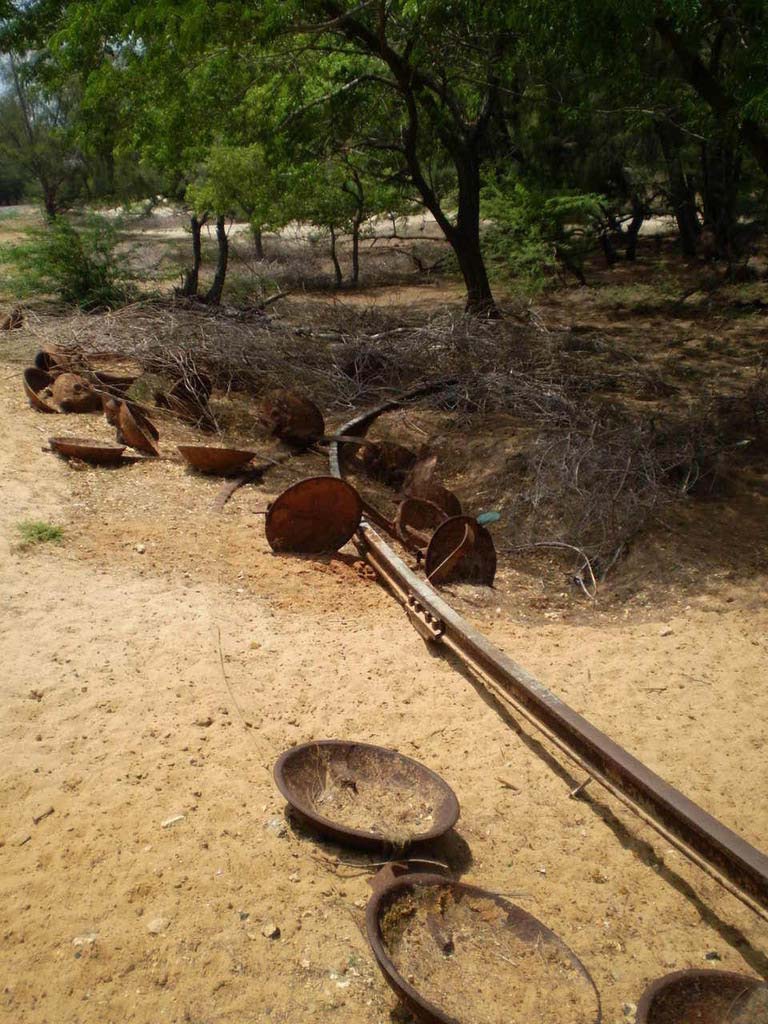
point(725, 856)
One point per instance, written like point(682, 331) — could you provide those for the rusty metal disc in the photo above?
point(432, 902)
point(100, 453)
point(135, 430)
point(35, 382)
point(291, 417)
point(73, 393)
point(210, 459)
point(317, 514)
point(461, 550)
point(417, 520)
point(698, 996)
point(115, 384)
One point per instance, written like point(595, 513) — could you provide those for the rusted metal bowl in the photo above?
point(100, 453)
point(53, 359)
point(430, 907)
point(315, 515)
point(387, 461)
point(417, 520)
point(209, 459)
point(461, 550)
point(365, 796)
point(703, 997)
point(135, 430)
point(291, 417)
point(35, 382)
point(115, 384)
point(73, 393)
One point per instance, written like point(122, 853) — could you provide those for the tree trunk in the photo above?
point(355, 279)
point(338, 277)
point(465, 239)
point(681, 190)
point(50, 202)
point(633, 229)
point(609, 249)
point(720, 166)
point(213, 296)
point(192, 276)
point(258, 242)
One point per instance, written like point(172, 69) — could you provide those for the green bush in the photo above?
point(533, 233)
point(79, 265)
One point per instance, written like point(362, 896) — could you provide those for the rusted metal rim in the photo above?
point(461, 549)
point(716, 990)
point(315, 515)
point(524, 924)
point(211, 459)
point(136, 430)
point(100, 453)
point(36, 380)
point(725, 856)
point(288, 769)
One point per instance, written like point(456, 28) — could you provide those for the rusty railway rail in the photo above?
point(720, 852)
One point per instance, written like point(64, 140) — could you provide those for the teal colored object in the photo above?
point(488, 517)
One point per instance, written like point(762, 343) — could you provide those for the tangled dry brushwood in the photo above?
point(593, 470)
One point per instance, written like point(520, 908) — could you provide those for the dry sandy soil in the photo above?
point(159, 659)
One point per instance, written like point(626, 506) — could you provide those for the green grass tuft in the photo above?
point(34, 531)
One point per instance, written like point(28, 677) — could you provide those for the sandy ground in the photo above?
point(112, 645)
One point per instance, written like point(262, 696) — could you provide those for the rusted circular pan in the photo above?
point(470, 955)
point(704, 997)
point(210, 459)
point(100, 453)
point(35, 382)
point(387, 461)
point(314, 515)
point(49, 358)
point(115, 384)
point(365, 796)
point(417, 520)
point(461, 550)
point(73, 393)
point(291, 417)
point(135, 430)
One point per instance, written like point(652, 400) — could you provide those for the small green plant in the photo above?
point(79, 265)
point(35, 531)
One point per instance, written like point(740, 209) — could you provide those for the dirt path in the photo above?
point(112, 667)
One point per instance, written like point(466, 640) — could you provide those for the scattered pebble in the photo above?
point(270, 930)
point(666, 631)
point(712, 954)
point(278, 826)
point(629, 1010)
point(204, 721)
point(85, 940)
point(157, 925)
point(170, 822)
point(139, 549)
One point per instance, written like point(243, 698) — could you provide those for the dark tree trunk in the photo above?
point(338, 277)
point(192, 276)
point(633, 229)
point(681, 190)
point(258, 243)
point(213, 297)
point(465, 239)
point(609, 249)
point(50, 203)
point(720, 166)
point(356, 223)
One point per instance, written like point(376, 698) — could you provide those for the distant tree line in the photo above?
point(563, 124)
